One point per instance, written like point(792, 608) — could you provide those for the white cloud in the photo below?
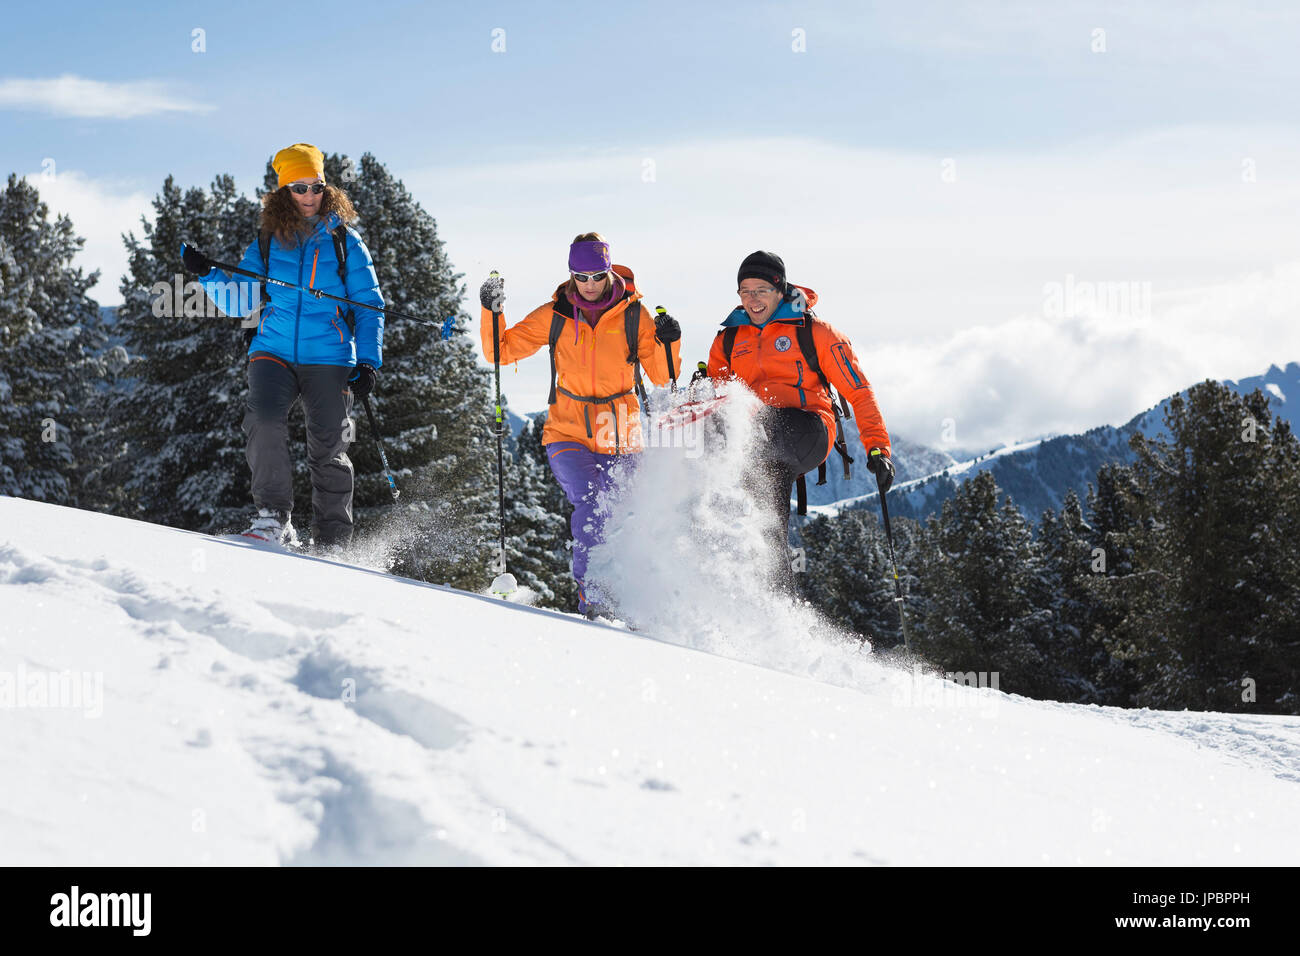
point(70, 95)
point(1035, 375)
point(101, 212)
point(940, 285)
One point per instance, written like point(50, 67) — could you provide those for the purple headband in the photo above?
point(589, 257)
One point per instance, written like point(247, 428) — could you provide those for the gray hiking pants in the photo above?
point(796, 443)
point(273, 386)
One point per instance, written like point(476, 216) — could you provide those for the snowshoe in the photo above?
point(603, 615)
point(273, 527)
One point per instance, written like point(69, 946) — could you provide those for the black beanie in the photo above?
point(763, 265)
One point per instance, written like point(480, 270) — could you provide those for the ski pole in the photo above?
point(374, 430)
point(898, 587)
point(235, 270)
point(504, 582)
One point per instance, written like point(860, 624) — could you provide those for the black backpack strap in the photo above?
point(804, 336)
point(557, 327)
point(340, 235)
point(801, 496)
point(341, 254)
point(264, 251)
point(839, 404)
point(729, 341)
point(632, 329)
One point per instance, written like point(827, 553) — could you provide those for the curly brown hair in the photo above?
point(281, 216)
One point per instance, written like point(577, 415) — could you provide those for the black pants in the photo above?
point(273, 387)
point(795, 442)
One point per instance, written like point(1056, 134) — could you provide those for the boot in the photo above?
point(275, 527)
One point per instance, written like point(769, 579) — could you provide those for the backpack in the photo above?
point(340, 236)
point(561, 316)
point(803, 335)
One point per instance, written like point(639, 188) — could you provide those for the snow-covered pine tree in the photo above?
point(976, 567)
point(175, 427)
point(541, 528)
point(535, 533)
point(1112, 520)
point(1213, 618)
point(432, 402)
point(1067, 568)
point(848, 576)
point(50, 340)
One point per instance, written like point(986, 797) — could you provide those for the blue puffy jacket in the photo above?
point(296, 326)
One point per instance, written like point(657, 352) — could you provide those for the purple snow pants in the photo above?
point(585, 476)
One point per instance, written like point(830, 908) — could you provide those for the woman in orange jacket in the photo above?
point(790, 358)
point(600, 338)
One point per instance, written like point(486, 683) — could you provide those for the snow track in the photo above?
point(264, 708)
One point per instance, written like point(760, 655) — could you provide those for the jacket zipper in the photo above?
point(799, 384)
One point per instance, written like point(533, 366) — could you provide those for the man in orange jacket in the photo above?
point(593, 420)
point(789, 357)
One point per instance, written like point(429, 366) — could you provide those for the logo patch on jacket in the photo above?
point(782, 344)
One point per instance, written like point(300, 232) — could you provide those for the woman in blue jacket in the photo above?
point(304, 346)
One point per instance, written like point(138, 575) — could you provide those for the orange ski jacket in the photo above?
point(595, 402)
point(768, 359)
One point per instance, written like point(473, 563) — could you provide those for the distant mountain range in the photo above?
point(1037, 474)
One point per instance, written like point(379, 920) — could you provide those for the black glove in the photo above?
point(666, 328)
point(878, 464)
point(195, 261)
point(362, 381)
point(492, 293)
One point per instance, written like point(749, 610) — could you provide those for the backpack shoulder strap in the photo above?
point(340, 234)
point(264, 252)
point(557, 327)
point(804, 334)
point(632, 329)
point(729, 341)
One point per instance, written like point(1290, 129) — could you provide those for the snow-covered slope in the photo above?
point(242, 706)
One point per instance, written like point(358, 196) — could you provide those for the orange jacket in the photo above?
point(591, 363)
point(768, 359)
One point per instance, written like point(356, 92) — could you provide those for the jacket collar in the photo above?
point(325, 225)
point(785, 312)
point(565, 307)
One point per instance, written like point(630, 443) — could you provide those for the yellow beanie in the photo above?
point(298, 162)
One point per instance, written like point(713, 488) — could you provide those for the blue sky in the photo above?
point(930, 168)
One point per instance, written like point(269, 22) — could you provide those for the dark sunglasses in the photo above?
point(590, 276)
point(301, 188)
